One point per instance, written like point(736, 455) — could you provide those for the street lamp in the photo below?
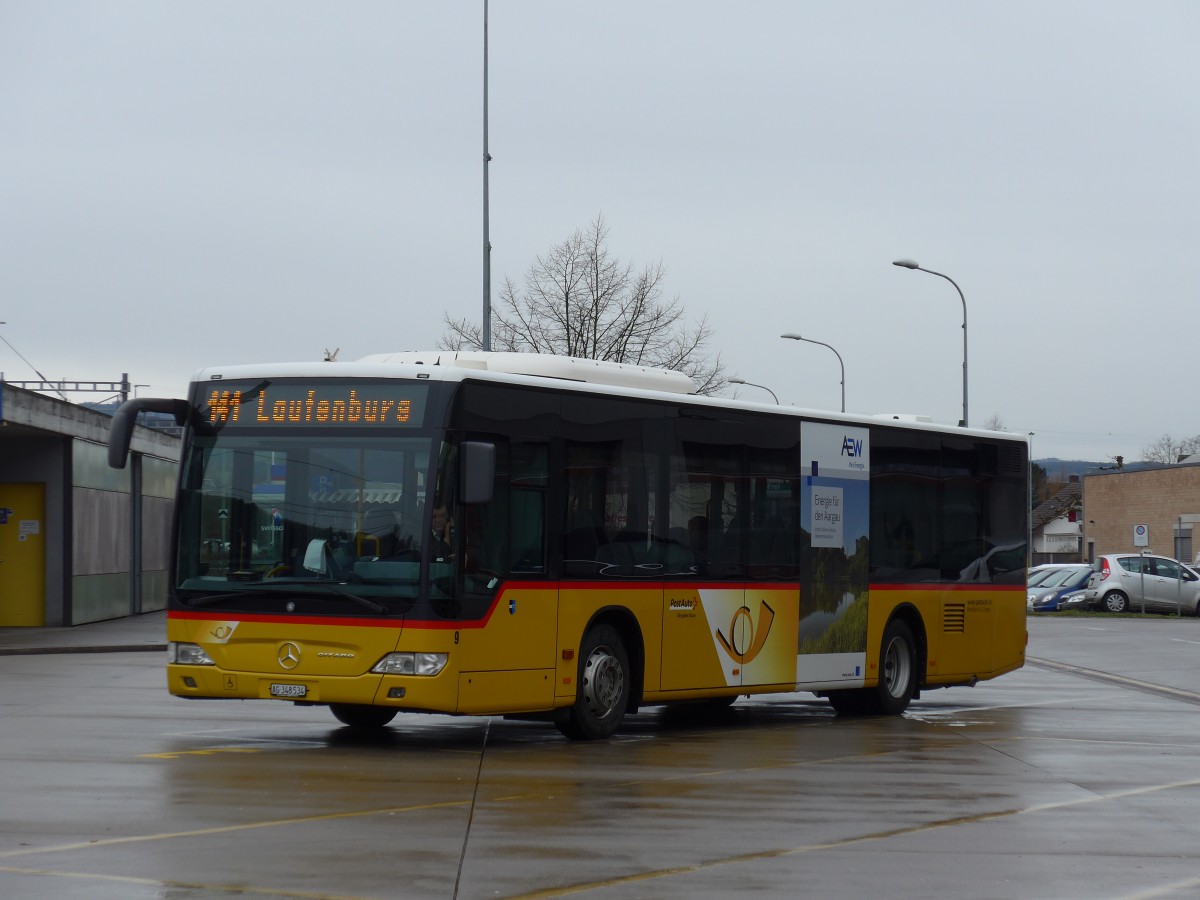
point(791, 336)
point(1029, 505)
point(752, 384)
point(910, 264)
point(485, 333)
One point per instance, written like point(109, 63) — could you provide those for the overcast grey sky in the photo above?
point(189, 184)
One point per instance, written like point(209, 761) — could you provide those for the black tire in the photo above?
point(854, 702)
point(898, 670)
point(1115, 602)
point(603, 680)
point(362, 718)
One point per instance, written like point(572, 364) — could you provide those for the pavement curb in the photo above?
point(107, 648)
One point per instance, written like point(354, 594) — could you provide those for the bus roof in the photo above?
point(618, 379)
point(545, 365)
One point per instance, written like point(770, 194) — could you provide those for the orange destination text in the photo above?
point(326, 407)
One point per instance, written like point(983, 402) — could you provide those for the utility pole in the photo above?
point(487, 158)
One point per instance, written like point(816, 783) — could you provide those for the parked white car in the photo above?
point(1131, 582)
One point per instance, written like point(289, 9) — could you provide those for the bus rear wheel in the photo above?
point(897, 678)
point(603, 687)
point(360, 717)
point(853, 702)
point(897, 669)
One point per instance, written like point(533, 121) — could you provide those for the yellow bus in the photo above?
point(572, 540)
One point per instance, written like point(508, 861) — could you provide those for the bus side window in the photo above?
point(591, 477)
point(527, 481)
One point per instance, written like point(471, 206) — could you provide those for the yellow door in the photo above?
point(22, 554)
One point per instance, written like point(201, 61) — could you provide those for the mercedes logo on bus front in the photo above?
point(289, 655)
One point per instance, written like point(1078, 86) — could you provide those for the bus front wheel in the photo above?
point(603, 687)
point(360, 717)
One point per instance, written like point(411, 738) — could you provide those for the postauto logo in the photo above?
point(745, 640)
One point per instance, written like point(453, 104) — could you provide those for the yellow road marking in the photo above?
point(227, 829)
point(171, 883)
point(176, 754)
point(447, 804)
point(1186, 888)
point(584, 887)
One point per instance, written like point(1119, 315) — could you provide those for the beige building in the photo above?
point(1151, 509)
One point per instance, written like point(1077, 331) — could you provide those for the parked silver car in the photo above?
point(1131, 582)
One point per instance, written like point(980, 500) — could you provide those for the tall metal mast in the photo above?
point(487, 242)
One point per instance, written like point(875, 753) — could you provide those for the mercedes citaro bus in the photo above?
point(572, 540)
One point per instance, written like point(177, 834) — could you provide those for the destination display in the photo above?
point(299, 403)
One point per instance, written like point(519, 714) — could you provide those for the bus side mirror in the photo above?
point(478, 471)
point(120, 433)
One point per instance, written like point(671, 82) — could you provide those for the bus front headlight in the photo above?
point(185, 654)
point(411, 664)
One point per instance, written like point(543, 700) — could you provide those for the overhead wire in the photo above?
point(28, 363)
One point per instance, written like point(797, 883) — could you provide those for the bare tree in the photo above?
point(1168, 450)
point(579, 300)
point(1039, 480)
point(995, 423)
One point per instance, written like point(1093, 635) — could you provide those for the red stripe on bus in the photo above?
point(402, 621)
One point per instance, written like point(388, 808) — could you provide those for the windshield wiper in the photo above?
point(213, 599)
point(350, 595)
point(275, 590)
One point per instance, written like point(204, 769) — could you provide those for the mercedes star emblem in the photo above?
point(289, 655)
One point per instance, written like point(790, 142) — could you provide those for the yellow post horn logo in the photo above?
point(747, 641)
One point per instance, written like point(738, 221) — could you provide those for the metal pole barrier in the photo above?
point(1179, 582)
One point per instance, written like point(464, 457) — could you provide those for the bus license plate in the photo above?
point(288, 690)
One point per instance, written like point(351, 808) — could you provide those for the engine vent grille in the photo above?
point(954, 618)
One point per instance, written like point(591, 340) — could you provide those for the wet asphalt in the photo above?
point(1075, 777)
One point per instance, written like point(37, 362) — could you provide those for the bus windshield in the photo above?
point(302, 512)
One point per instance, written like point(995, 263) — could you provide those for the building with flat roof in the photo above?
point(1143, 509)
point(79, 541)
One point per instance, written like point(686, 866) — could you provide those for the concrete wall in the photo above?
point(107, 530)
point(114, 538)
point(158, 506)
point(102, 522)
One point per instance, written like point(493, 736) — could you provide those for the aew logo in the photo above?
point(851, 447)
